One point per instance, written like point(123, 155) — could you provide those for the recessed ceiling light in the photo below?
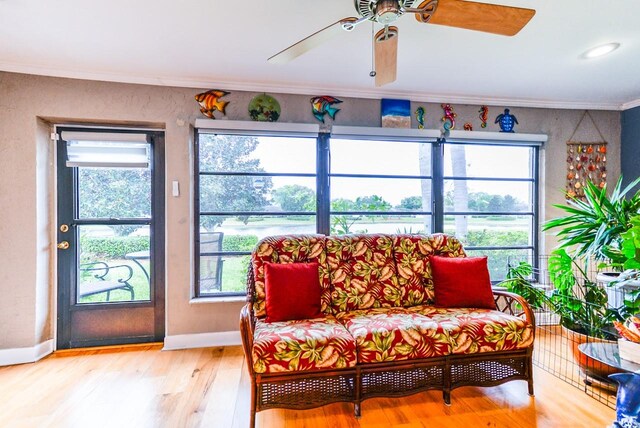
point(600, 50)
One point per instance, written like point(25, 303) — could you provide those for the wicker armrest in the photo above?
point(514, 304)
point(246, 332)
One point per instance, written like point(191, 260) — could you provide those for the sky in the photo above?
point(393, 158)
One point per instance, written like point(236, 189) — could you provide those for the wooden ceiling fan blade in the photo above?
point(312, 41)
point(489, 18)
point(386, 55)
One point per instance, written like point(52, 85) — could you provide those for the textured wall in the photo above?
point(630, 157)
point(27, 253)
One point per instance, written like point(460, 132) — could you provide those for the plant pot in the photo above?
point(589, 366)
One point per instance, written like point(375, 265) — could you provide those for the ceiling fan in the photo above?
point(489, 18)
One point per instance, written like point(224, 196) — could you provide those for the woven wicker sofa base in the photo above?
point(305, 390)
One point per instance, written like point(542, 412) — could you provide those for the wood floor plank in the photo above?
point(209, 387)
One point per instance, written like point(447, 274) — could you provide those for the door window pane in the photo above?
point(114, 193)
point(114, 264)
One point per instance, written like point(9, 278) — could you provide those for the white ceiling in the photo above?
point(225, 45)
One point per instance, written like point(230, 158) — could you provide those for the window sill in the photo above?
point(221, 299)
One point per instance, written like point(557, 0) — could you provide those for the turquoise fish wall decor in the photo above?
point(484, 113)
point(420, 117)
point(320, 106)
point(506, 121)
point(210, 101)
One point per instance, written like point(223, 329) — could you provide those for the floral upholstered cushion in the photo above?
point(394, 334)
point(290, 249)
point(362, 272)
point(411, 254)
point(480, 330)
point(322, 343)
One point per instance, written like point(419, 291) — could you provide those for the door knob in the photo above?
point(63, 245)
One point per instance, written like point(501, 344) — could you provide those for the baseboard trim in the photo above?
point(201, 340)
point(9, 357)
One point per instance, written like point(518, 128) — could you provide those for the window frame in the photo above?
point(245, 129)
point(323, 174)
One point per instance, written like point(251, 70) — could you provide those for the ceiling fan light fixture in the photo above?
point(387, 11)
point(601, 50)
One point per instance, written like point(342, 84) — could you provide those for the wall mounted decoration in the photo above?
point(586, 161)
point(420, 117)
point(507, 121)
point(210, 101)
point(395, 113)
point(468, 126)
point(320, 106)
point(484, 114)
point(264, 108)
point(449, 118)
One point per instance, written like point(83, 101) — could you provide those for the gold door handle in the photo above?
point(63, 245)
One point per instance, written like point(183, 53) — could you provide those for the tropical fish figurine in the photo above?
point(484, 113)
point(210, 101)
point(449, 117)
point(506, 120)
point(320, 106)
point(420, 117)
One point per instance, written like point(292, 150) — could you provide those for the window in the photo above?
point(248, 190)
point(250, 185)
point(380, 186)
point(489, 201)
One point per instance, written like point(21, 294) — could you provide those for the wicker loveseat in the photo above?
point(379, 333)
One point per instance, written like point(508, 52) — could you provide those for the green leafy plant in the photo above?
point(593, 228)
point(580, 303)
point(518, 280)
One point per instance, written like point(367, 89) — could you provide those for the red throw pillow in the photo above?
point(462, 282)
point(292, 291)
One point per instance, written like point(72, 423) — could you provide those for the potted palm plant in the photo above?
point(591, 230)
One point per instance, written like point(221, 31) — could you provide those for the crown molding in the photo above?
point(630, 104)
point(372, 93)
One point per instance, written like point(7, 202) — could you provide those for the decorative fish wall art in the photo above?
point(322, 105)
point(210, 102)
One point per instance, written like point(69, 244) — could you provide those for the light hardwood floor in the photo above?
point(142, 386)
